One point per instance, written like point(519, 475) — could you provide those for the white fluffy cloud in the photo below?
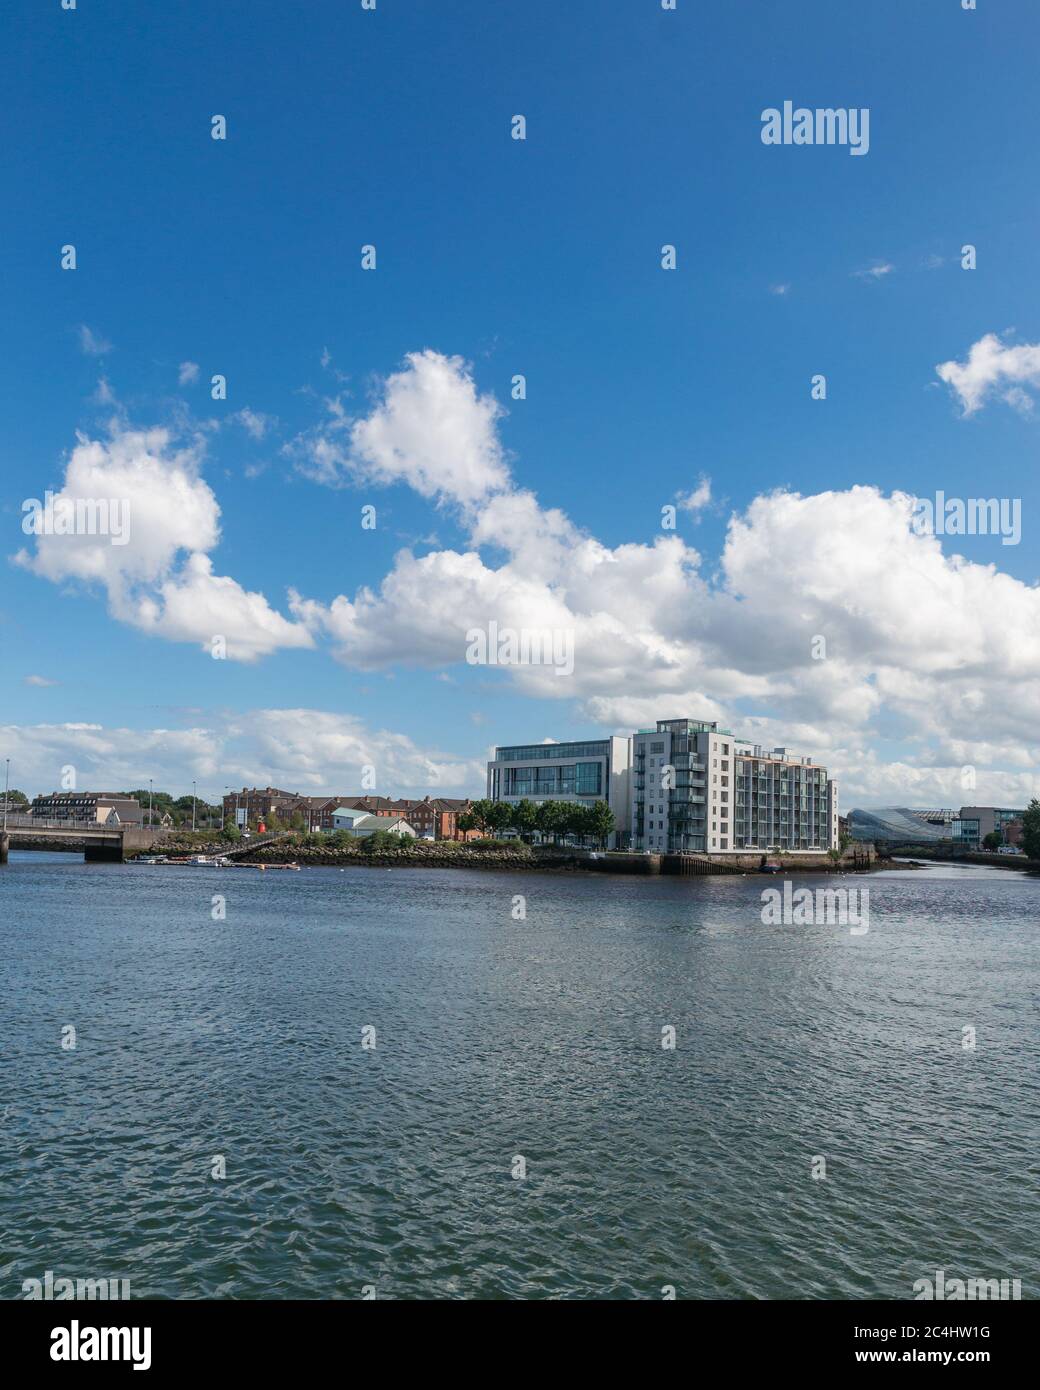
point(992, 368)
point(302, 750)
point(430, 428)
point(903, 626)
point(829, 625)
point(151, 558)
point(698, 498)
point(828, 611)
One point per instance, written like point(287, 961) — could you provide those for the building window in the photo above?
point(588, 781)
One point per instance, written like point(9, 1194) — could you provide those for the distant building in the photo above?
point(699, 788)
point(363, 823)
point(103, 808)
point(584, 771)
point(316, 810)
point(436, 818)
point(253, 804)
point(941, 819)
point(976, 822)
point(346, 817)
point(901, 824)
point(374, 805)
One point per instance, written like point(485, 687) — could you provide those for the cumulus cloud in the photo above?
point(908, 641)
point(195, 605)
point(827, 624)
point(302, 750)
point(697, 499)
point(151, 560)
point(187, 373)
point(429, 428)
point(993, 368)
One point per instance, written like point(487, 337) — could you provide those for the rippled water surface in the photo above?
point(499, 1038)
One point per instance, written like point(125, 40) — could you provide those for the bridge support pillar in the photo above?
point(103, 854)
point(5, 844)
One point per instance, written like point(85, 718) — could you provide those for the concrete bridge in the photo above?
point(102, 843)
point(108, 844)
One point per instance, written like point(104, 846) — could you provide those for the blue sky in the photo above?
point(540, 257)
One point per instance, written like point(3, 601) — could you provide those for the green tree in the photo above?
point(524, 818)
point(231, 831)
point(15, 797)
point(162, 804)
point(482, 813)
point(466, 822)
point(380, 841)
point(1031, 829)
point(552, 819)
point(992, 841)
point(574, 819)
point(500, 816)
point(600, 822)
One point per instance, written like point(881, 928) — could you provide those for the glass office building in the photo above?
point(586, 770)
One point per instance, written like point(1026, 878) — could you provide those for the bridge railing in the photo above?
point(40, 823)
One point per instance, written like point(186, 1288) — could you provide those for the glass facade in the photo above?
point(538, 752)
point(549, 783)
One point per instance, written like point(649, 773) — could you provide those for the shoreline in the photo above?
point(453, 855)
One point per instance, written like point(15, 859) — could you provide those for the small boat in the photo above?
point(771, 868)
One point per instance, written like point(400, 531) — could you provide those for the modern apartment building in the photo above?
point(582, 771)
point(696, 787)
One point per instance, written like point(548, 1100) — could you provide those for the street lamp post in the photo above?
point(193, 799)
point(149, 803)
point(7, 788)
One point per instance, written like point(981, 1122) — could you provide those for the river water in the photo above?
point(509, 1046)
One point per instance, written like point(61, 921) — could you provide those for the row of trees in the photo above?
point(179, 809)
point(554, 820)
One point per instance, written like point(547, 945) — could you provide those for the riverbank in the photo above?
point(422, 854)
point(514, 855)
point(993, 861)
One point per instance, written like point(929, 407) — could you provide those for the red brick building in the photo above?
point(435, 817)
point(432, 817)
